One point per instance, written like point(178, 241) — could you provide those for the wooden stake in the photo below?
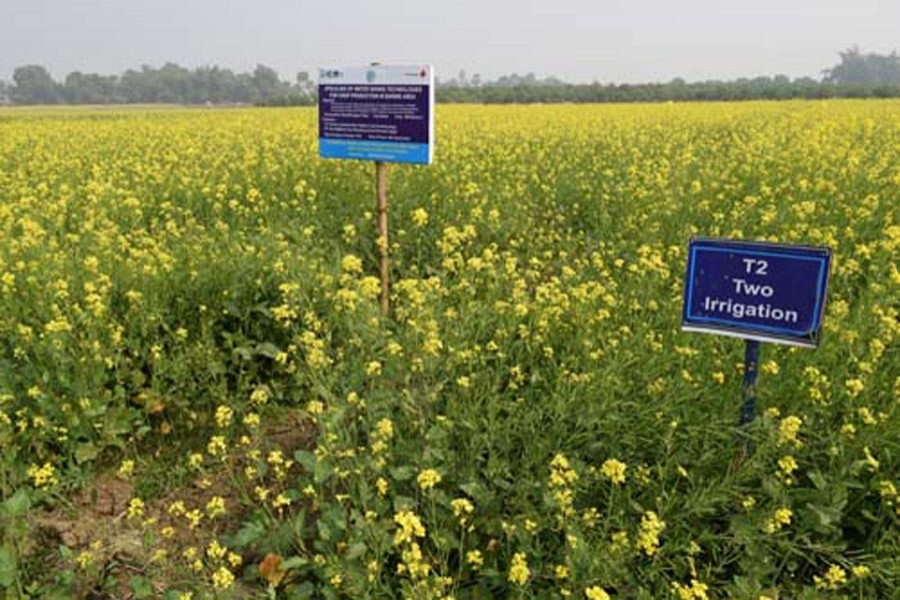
point(383, 245)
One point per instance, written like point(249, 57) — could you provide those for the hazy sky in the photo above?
point(577, 40)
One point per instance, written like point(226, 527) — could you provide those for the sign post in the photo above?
point(383, 113)
point(757, 291)
point(748, 387)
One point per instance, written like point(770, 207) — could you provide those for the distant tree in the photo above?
point(139, 86)
point(267, 83)
point(446, 83)
point(305, 84)
point(34, 85)
point(857, 68)
point(530, 80)
point(5, 92)
point(213, 84)
point(175, 84)
point(90, 88)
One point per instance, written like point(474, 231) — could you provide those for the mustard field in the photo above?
point(199, 398)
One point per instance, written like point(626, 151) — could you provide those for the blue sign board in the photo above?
point(754, 290)
point(380, 112)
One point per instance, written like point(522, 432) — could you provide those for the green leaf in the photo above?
point(827, 516)
point(17, 504)
point(334, 517)
point(869, 515)
point(216, 367)
point(118, 422)
point(321, 472)
point(248, 535)
point(324, 530)
point(476, 491)
point(305, 458)
point(86, 452)
point(267, 349)
point(141, 587)
point(402, 473)
point(818, 480)
point(294, 562)
point(301, 592)
point(355, 551)
point(9, 567)
point(403, 503)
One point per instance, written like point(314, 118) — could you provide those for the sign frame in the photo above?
point(374, 112)
point(808, 337)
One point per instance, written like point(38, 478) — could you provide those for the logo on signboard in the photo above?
point(371, 75)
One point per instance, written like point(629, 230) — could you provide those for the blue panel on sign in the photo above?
point(767, 292)
point(372, 150)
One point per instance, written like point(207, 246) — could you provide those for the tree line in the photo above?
point(758, 88)
point(171, 83)
point(857, 75)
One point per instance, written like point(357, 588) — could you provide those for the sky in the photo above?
point(575, 40)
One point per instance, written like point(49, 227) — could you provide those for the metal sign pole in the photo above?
point(383, 246)
point(748, 390)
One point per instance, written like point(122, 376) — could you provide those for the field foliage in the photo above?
point(183, 291)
